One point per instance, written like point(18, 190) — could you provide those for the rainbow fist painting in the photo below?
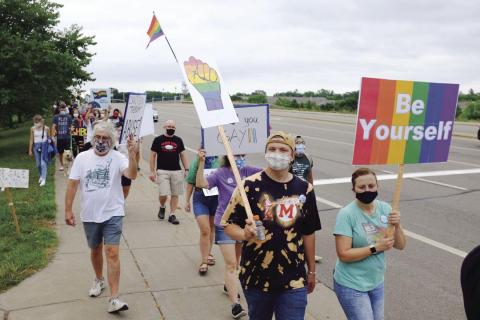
point(404, 121)
point(205, 79)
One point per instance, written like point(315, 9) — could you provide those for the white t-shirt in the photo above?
point(100, 184)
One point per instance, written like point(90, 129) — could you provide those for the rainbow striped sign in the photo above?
point(404, 121)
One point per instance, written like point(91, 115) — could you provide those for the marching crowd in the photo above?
point(266, 235)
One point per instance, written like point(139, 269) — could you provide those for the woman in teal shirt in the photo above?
point(361, 242)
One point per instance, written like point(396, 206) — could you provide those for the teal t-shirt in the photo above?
point(353, 222)
point(210, 163)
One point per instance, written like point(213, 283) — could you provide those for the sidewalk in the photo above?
point(159, 278)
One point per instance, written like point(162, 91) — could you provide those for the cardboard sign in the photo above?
point(134, 111)
point(13, 178)
point(402, 122)
point(212, 102)
point(102, 96)
point(147, 127)
point(247, 136)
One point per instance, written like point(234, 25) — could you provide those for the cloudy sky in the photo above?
point(280, 45)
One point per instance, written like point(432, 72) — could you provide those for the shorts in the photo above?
point(222, 238)
point(203, 205)
point(170, 182)
point(126, 182)
point(109, 231)
point(63, 144)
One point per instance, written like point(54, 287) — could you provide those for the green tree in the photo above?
point(472, 111)
point(39, 64)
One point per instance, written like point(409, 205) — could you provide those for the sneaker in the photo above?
point(237, 311)
point(39, 179)
point(161, 213)
point(97, 287)
point(318, 258)
point(225, 291)
point(61, 169)
point(116, 305)
point(173, 220)
point(42, 183)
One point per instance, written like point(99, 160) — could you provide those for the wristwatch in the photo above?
point(373, 250)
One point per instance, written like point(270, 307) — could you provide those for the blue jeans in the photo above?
point(359, 305)
point(41, 164)
point(287, 305)
point(203, 205)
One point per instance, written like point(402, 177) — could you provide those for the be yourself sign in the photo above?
point(404, 122)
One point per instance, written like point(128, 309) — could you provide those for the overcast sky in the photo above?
point(281, 45)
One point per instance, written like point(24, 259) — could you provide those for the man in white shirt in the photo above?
point(98, 172)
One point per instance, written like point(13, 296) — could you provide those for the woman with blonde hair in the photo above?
point(38, 147)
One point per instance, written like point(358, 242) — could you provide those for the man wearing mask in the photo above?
point(281, 240)
point(116, 119)
point(62, 124)
point(302, 164)
point(166, 152)
point(98, 172)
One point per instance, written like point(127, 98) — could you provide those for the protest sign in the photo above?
point(13, 178)
point(134, 111)
point(206, 87)
point(247, 136)
point(102, 96)
point(404, 122)
point(147, 127)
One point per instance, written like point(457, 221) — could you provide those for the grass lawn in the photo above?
point(21, 256)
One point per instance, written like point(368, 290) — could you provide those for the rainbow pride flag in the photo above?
point(404, 121)
point(154, 31)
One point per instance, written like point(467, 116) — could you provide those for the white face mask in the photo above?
point(278, 161)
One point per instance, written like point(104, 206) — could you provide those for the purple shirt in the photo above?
point(224, 180)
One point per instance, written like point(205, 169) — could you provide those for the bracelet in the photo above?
point(312, 272)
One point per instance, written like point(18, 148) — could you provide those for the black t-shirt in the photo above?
point(302, 166)
point(168, 151)
point(288, 211)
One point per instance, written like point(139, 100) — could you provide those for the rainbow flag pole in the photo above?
point(155, 31)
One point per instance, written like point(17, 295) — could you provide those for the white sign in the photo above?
point(205, 84)
point(249, 135)
point(213, 191)
point(13, 178)
point(134, 111)
point(147, 126)
point(102, 96)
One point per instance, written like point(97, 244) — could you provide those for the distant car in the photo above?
point(155, 116)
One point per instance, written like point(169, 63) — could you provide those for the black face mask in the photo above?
point(366, 197)
point(170, 132)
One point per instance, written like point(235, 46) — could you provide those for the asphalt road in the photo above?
point(440, 212)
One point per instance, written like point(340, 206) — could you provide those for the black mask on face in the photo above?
point(170, 132)
point(367, 196)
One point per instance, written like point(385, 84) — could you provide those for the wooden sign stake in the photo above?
point(396, 197)
point(12, 209)
point(238, 179)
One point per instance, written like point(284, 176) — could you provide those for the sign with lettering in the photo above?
point(13, 178)
point(402, 122)
point(134, 112)
point(249, 135)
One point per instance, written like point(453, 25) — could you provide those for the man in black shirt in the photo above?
point(272, 272)
point(167, 151)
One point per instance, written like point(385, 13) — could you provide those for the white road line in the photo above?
point(463, 148)
point(434, 243)
point(405, 176)
point(465, 163)
point(329, 203)
point(433, 182)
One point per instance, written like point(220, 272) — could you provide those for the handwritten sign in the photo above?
point(102, 96)
point(210, 98)
point(13, 178)
point(147, 126)
point(247, 136)
point(213, 191)
point(134, 112)
point(403, 122)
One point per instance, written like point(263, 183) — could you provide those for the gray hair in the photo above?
point(104, 126)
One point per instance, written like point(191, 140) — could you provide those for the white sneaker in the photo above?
point(97, 287)
point(116, 305)
point(318, 259)
point(39, 179)
point(42, 183)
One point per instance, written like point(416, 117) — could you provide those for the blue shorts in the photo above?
point(109, 231)
point(222, 238)
point(204, 205)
